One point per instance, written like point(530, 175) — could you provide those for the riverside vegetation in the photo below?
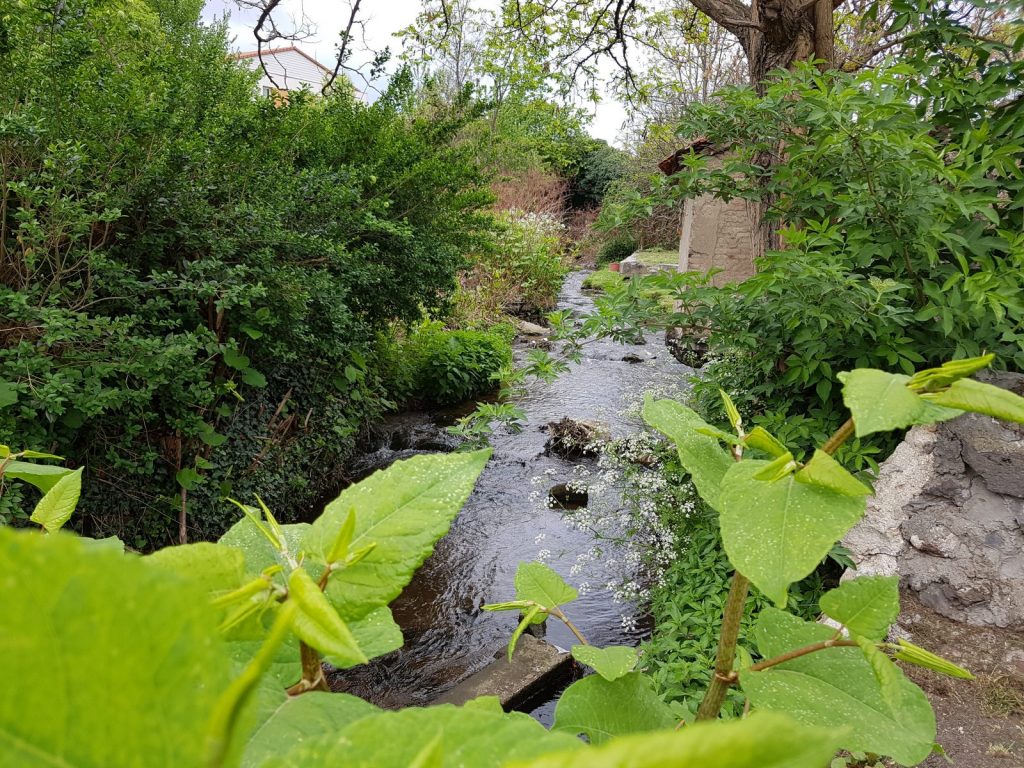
point(242, 625)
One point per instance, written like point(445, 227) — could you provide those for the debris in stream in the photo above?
point(574, 439)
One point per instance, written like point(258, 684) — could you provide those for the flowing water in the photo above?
point(447, 636)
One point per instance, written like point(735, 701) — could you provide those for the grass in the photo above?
point(652, 257)
point(602, 280)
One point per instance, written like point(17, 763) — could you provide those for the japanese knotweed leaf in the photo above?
point(978, 397)
point(56, 506)
point(838, 687)
point(259, 552)
point(283, 721)
point(403, 510)
point(611, 663)
point(469, 736)
point(777, 532)
point(880, 402)
point(763, 740)
point(866, 606)
point(541, 584)
point(700, 454)
point(604, 709)
point(105, 659)
point(319, 626)
point(42, 476)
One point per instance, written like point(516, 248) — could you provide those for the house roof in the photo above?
point(273, 51)
point(700, 145)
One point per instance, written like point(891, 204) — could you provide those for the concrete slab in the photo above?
point(536, 669)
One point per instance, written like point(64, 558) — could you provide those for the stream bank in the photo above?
point(505, 521)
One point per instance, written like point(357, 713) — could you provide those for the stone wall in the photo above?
point(722, 237)
point(948, 517)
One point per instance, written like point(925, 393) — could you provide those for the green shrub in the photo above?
point(452, 366)
point(521, 274)
point(617, 248)
point(193, 278)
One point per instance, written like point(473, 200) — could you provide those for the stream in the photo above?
point(505, 521)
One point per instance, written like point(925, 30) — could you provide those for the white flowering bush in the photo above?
point(520, 275)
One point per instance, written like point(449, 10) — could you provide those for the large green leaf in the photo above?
point(542, 585)
point(866, 606)
point(976, 396)
point(880, 402)
point(777, 532)
point(285, 721)
point(42, 476)
point(611, 663)
point(259, 552)
point(105, 659)
point(57, 504)
point(403, 510)
point(838, 687)
point(763, 740)
point(603, 709)
point(469, 736)
point(700, 454)
point(214, 568)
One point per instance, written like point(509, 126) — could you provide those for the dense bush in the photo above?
point(448, 367)
point(192, 278)
point(616, 248)
point(520, 274)
point(901, 195)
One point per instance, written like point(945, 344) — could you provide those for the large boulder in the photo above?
point(948, 517)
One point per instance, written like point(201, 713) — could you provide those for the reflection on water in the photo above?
point(447, 636)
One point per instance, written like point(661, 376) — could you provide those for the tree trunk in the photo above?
point(775, 34)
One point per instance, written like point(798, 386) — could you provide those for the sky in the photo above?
point(383, 19)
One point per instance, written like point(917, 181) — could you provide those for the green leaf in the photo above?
point(978, 397)
point(42, 476)
point(866, 606)
point(254, 378)
point(611, 663)
point(914, 654)
point(235, 359)
point(881, 402)
point(948, 372)
point(542, 585)
point(764, 440)
point(38, 455)
point(105, 660)
point(259, 552)
point(731, 412)
point(777, 533)
point(284, 721)
point(763, 740)
point(339, 550)
point(471, 736)
point(700, 454)
point(319, 626)
point(604, 709)
point(8, 394)
point(527, 619)
point(825, 472)
point(215, 569)
point(188, 478)
point(403, 510)
point(58, 503)
point(778, 468)
point(838, 688)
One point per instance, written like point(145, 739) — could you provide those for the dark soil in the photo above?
point(981, 721)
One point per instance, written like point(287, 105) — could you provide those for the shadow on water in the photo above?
point(504, 522)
